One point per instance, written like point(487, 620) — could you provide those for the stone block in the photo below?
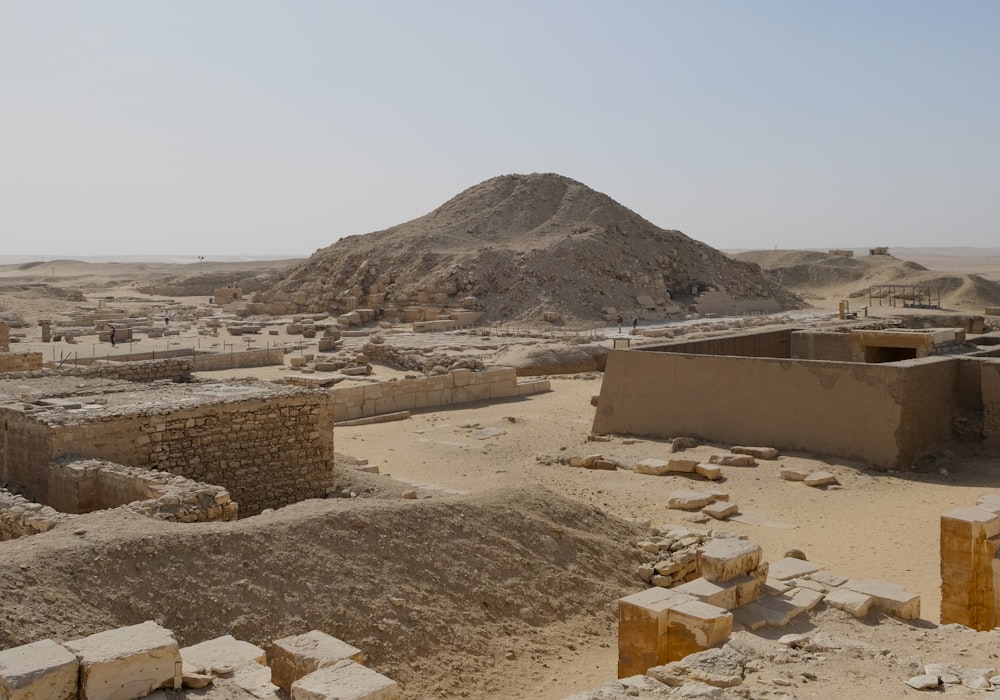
point(712, 472)
point(724, 559)
point(221, 652)
point(795, 474)
point(689, 500)
point(733, 460)
point(766, 453)
point(293, 657)
point(695, 626)
point(128, 662)
point(728, 595)
point(652, 466)
point(38, 671)
point(789, 567)
point(852, 602)
point(820, 479)
point(642, 629)
point(889, 597)
point(345, 680)
point(682, 466)
point(720, 510)
point(828, 579)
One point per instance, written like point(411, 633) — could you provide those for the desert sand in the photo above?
point(876, 525)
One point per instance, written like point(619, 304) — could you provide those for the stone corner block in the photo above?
point(295, 657)
point(221, 652)
point(41, 669)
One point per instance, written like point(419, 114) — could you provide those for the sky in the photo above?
point(254, 127)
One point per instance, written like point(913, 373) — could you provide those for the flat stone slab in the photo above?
point(689, 500)
point(788, 567)
point(221, 652)
point(733, 460)
point(767, 453)
point(820, 479)
point(652, 466)
point(889, 597)
point(682, 466)
point(712, 472)
point(795, 474)
point(723, 559)
point(857, 604)
point(127, 663)
point(827, 578)
point(721, 510)
point(39, 670)
point(345, 680)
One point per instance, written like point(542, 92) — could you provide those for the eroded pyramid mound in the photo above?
point(517, 246)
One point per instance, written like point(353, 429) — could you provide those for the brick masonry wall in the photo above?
point(20, 361)
point(459, 386)
point(267, 452)
point(19, 517)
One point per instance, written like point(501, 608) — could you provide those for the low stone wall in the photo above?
point(458, 386)
point(20, 361)
point(233, 360)
point(19, 517)
point(143, 371)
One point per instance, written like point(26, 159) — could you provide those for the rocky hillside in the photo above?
point(517, 246)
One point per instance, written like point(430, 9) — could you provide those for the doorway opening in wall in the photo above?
point(877, 354)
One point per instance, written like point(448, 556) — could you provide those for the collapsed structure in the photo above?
point(885, 397)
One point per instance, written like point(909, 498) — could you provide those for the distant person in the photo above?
point(635, 323)
point(620, 321)
point(166, 319)
point(112, 336)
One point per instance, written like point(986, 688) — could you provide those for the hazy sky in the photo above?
point(251, 127)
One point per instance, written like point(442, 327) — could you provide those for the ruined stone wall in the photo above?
point(20, 361)
point(20, 517)
point(843, 409)
point(233, 360)
point(821, 345)
point(25, 450)
point(771, 343)
point(143, 371)
point(267, 453)
point(990, 382)
point(458, 386)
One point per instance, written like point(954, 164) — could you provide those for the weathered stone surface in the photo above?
point(795, 474)
point(696, 626)
point(728, 595)
point(820, 479)
point(723, 559)
point(720, 510)
point(732, 460)
point(889, 597)
point(345, 680)
point(128, 662)
point(767, 453)
point(828, 579)
point(642, 628)
point(678, 444)
point(689, 500)
point(221, 652)
point(38, 671)
point(652, 466)
point(682, 466)
point(925, 682)
point(852, 602)
point(712, 472)
point(292, 658)
point(789, 567)
point(720, 668)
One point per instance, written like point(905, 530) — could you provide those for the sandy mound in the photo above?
point(521, 245)
point(816, 274)
point(444, 582)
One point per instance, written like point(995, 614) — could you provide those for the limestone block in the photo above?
point(852, 602)
point(723, 559)
point(767, 453)
point(720, 510)
point(788, 568)
point(291, 658)
point(256, 681)
point(889, 597)
point(38, 671)
point(733, 460)
point(652, 466)
point(682, 466)
point(689, 500)
point(221, 652)
point(128, 662)
point(820, 479)
point(696, 626)
point(728, 595)
point(642, 629)
point(712, 472)
point(795, 474)
point(828, 579)
point(345, 680)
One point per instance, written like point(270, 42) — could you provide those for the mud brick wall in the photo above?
point(20, 361)
point(267, 453)
point(821, 345)
point(759, 344)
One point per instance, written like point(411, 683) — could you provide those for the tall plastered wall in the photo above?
point(770, 343)
point(821, 345)
point(849, 410)
point(928, 400)
point(267, 453)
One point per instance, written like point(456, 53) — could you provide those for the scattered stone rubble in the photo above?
point(131, 662)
